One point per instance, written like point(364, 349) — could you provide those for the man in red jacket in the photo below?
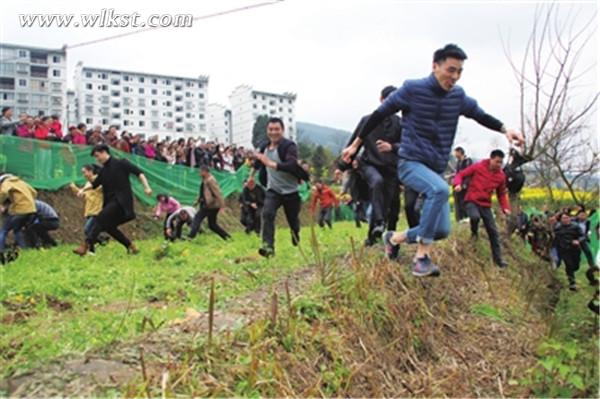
point(327, 200)
point(486, 177)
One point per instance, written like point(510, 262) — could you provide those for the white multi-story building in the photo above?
point(33, 80)
point(71, 109)
point(219, 123)
point(144, 103)
point(247, 104)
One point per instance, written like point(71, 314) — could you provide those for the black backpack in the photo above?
point(515, 179)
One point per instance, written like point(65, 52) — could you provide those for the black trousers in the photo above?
point(109, 219)
point(326, 217)
point(211, 215)
point(176, 231)
point(382, 188)
point(476, 213)
point(291, 207)
point(572, 258)
point(251, 218)
point(412, 207)
point(460, 212)
point(37, 233)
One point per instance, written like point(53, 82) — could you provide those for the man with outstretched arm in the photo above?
point(118, 199)
point(485, 177)
point(430, 110)
point(279, 171)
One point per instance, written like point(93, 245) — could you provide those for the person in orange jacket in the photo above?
point(327, 201)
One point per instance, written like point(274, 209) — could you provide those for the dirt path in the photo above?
point(111, 367)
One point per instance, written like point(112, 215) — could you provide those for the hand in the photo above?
point(515, 137)
point(348, 152)
point(507, 212)
point(253, 206)
point(148, 191)
point(458, 188)
point(80, 193)
point(383, 146)
point(576, 243)
point(169, 232)
point(261, 158)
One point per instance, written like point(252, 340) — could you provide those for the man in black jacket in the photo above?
point(279, 171)
point(568, 237)
point(252, 200)
point(462, 162)
point(118, 198)
point(378, 162)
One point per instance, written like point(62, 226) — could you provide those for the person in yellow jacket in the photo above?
point(92, 198)
point(20, 210)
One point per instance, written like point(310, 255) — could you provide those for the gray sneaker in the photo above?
point(425, 267)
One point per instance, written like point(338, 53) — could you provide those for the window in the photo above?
point(280, 109)
point(154, 91)
point(264, 107)
point(168, 82)
point(126, 78)
point(290, 110)
point(125, 122)
point(126, 89)
point(115, 82)
point(115, 105)
point(188, 94)
point(154, 81)
point(22, 82)
point(141, 90)
point(89, 98)
point(178, 98)
point(178, 109)
point(178, 88)
point(141, 102)
point(167, 93)
point(102, 76)
point(141, 124)
point(254, 106)
point(115, 93)
point(155, 125)
point(89, 110)
point(201, 95)
point(154, 113)
point(141, 79)
point(200, 85)
point(116, 116)
point(88, 74)
point(104, 87)
point(88, 86)
point(153, 102)
point(289, 101)
point(168, 103)
point(56, 59)
point(142, 112)
point(22, 53)
point(254, 96)
point(272, 102)
point(88, 121)
point(201, 116)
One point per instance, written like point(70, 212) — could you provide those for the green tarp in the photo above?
point(50, 165)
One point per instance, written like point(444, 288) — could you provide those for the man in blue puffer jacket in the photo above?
point(430, 110)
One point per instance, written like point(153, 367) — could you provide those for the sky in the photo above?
point(335, 54)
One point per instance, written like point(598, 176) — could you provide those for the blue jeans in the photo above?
point(16, 224)
point(89, 225)
point(434, 223)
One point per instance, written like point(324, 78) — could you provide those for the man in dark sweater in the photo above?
point(279, 171)
point(118, 198)
point(567, 238)
point(378, 166)
point(462, 163)
point(252, 200)
point(430, 109)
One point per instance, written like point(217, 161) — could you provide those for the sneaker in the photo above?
point(573, 287)
point(474, 237)
point(378, 230)
point(391, 249)
point(369, 242)
point(502, 264)
point(81, 250)
point(425, 267)
point(266, 252)
point(295, 239)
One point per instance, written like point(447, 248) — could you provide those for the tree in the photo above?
point(259, 130)
point(305, 151)
point(319, 161)
point(549, 78)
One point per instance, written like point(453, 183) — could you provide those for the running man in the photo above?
point(431, 107)
point(117, 206)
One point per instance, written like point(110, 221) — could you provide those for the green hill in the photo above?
point(334, 139)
